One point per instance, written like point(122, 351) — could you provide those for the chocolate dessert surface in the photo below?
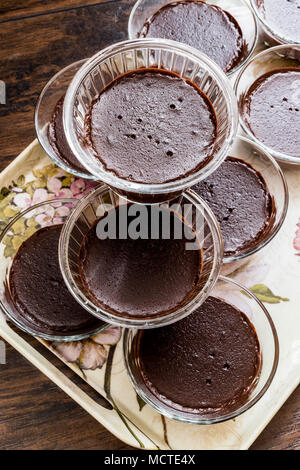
point(206, 363)
point(151, 126)
point(240, 199)
point(271, 110)
point(282, 16)
point(205, 27)
point(38, 293)
point(140, 278)
point(58, 141)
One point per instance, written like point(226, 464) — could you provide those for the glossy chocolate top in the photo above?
point(271, 110)
point(38, 292)
point(58, 139)
point(150, 126)
point(205, 363)
point(240, 199)
point(282, 16)
point(142, 278)
point(205, 27)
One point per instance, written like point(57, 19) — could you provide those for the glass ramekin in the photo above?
point(270, 36)
point(264, 62)
point(51, 93)
point(123, 57)
point(19, 229)
point(261, 161)
point(243, 299)
point(89, 210)
point(144, 9)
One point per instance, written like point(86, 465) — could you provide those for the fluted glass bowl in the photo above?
point(272, 37)
point(271, 59)
point(261, 161)
point(90, 209)
point(239, 9)
point(243, 299)
point(112, 62)
point(51, 93)
point(22, 227)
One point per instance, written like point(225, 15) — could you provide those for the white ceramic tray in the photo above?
point(274, 274)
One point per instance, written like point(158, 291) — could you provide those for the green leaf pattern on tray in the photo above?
point(252, 275)
point(50, 182)
point(141, 402)
point(265, 294)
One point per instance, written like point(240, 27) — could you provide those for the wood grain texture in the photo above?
point(283, 432)
point(11, 10)
point(34, 49)
point(36, 414)
point(37, 39)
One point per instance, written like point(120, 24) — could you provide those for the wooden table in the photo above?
point(37, 39)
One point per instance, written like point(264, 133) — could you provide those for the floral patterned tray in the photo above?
point(273, 274)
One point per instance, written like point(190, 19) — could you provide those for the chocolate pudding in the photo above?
point(141, 278)
point(38, 293)
point(240, 199)
point(282, 17)
point(271, 110)
point(58, 141)
point(206, 27)
point(151, 126)
point(206, 363)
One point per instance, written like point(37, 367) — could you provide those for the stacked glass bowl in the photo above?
point(80, 85)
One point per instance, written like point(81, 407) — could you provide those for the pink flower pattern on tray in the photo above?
point(296, 242)
point(50, 183)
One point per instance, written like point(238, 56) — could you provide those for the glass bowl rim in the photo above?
point(6, 312)
point(250, 251)
point(238, 66)
point(59, 162)
point(136, 322)
point(186, 417)
point(126, 46)
point(268, 28)
point(281, 157)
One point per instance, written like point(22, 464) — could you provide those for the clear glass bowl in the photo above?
point(123, 57)
point(51, 93)
point(144, 9)
point(264, 62)
point(243, 299)
point(261, 161)
point(21, 227)
point(271, 37)
point(90, 209)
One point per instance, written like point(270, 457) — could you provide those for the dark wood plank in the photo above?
point(36, 414)
point(283, 432)
point(10, 10)
point(33, 49)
